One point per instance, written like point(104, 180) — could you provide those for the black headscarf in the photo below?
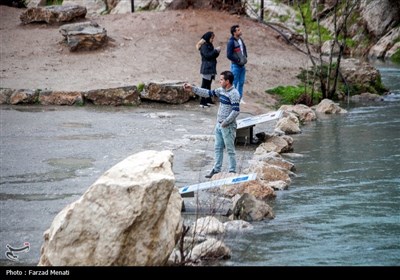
point(207, 36)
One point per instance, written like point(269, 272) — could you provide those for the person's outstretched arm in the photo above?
point(199, 91)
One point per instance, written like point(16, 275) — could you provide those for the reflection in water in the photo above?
point(76, 125)
point(33, 197)
point(45, 177)
point(71, 163)
point(66, 168)
point(32, 109)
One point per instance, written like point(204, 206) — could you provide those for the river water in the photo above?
point(343, 208)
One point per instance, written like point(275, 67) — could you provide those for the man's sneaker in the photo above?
point(204, 106)
point(212, 173)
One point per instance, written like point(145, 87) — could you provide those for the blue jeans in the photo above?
point(239, 74)
point(225, 137)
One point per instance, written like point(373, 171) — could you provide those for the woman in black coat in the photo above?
point(208, 68)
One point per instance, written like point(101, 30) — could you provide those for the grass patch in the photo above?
point(295, 95)
point(80, 103)
point(53, 2)
point(140, 87)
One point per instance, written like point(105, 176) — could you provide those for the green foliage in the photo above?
point(79, 103)
point(330, 85)
point(379, 87)
point(257, 7)
point(288, 94)
point(350, 88)
point(36, 94)
point(396, 57)
point(312, 26)
point(53, 2)
point(284, 18)
point(375, 87)
point(292, 94)
point(140, 87)
point(306, 75)
point(350, 43)
point(354, 18)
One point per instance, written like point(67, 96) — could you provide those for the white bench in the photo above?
point(244, 132)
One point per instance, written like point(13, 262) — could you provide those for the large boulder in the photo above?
point(53, 14)
point(387, 45)
point(288, 125)
point(168, 92)
point(249, 209)
point(5, 94)
point(49, 97)
point(84, 36)
point(131, 216)
point(94, 7)
point(362, 76)
point(303, 112)
point(327, 106)
point(113, 96)
point(208, 226)
point(380, 16)
point(279, 144)
point(24, 96)
point(258, 188)
point(211, 249)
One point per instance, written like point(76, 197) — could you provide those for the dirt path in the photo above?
point(145, 46)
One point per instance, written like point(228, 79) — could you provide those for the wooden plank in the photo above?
point(218, 183)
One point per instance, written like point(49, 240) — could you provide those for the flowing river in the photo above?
point(343, 208)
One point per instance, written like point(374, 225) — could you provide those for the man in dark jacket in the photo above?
point(237, 53)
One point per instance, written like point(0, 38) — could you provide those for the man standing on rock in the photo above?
point(237, 53)
point(228, 111)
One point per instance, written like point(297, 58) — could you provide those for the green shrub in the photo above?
point(295, 94)
point(312, 26)
point(53, 2)
point(375, 87)
point(79, 103)
point(37, 96)
point(140, 87)
point(396, 57)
